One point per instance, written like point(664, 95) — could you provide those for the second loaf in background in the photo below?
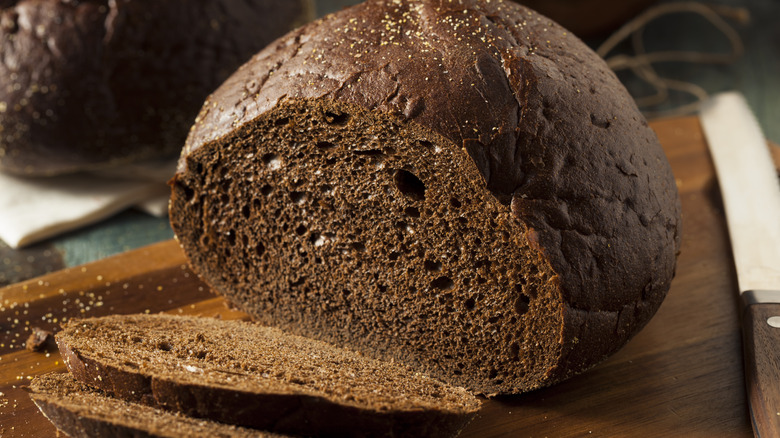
point(86, 84)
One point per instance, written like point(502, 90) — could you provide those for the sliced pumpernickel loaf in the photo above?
point(79, 410)
point(241, 373)
point(464, 187)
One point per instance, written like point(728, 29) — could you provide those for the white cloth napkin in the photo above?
point(34, 209)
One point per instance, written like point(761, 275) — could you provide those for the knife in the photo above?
point(751, 197)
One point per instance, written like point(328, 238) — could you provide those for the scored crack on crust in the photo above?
point(92, 83)
point(570, 177)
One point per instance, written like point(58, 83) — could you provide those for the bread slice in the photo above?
point(242, 373)
point(78, 410)
point(463, 186)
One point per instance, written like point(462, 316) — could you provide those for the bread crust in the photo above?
point(556, 137)
point(93, 83)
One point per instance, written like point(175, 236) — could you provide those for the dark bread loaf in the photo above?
point(79, 410)
point(88, 83)
point(461, 186)
point(240, 373)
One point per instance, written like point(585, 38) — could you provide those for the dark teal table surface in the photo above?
point(756, 74)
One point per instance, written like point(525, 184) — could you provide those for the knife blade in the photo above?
point(751, 198)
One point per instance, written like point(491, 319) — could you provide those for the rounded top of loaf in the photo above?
point(555, 135)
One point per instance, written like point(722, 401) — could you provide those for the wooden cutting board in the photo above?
point(681, 376)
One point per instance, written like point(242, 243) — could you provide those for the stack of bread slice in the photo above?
point(164, 375)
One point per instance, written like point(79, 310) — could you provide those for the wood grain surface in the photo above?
point(681, 376)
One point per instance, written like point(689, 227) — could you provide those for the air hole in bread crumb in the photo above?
point(301, 230)
point(431, 265)
point(426, 144)
point(298, 197)
point(164, 346)
point(409, 185)
point(483, 263)
point(514, 351)
point(337, 119)
point(325, 145)
point(370, 152)
point(231, 237)
point(522, 303)
point(245, 211)
point(455, 203)
point(266, 190)
point(470, 303)
point(412, 212)
point(493, 373)
point(188, 192)
point(260, 249)
point(358, 246)
point(443, 283)
point(273, 161)
point(197, 165)
point(283, 121)
point(393, 256)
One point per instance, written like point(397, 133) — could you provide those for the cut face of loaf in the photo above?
point(79, 410)
point(245, 374)
point(463, 187)
point(331, 219)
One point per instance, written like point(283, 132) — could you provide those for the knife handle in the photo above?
point(761, 336)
